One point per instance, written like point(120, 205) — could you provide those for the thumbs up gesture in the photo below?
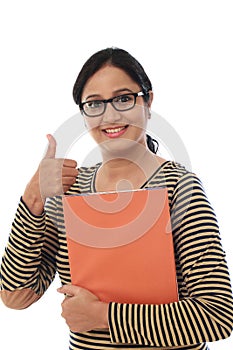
point(53, 177)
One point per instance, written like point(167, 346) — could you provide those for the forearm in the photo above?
point(24, 247)
point(24, 265)
point(186, 322)
point(32, 196)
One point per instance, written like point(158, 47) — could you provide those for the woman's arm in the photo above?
point(205, 310)
point(28, 265)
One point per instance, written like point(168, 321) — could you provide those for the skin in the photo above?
point(127, 164)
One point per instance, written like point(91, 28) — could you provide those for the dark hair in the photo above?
point(118, 58)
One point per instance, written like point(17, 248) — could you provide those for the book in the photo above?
point(120, 245)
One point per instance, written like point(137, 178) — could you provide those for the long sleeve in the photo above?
point(28, 264)
point(204, 312)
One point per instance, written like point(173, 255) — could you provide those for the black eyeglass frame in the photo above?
point(110, 100)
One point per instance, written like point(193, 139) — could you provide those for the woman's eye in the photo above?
point(124, 98)
point(94, 104)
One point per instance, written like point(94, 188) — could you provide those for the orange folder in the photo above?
point(120, 245)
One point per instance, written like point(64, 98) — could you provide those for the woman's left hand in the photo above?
point(82, 310)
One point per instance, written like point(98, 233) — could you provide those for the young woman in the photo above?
point(115, 95)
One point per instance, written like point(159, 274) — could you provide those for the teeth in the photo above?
point(114, 130)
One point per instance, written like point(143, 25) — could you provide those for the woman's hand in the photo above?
point(82, 310)
point(53, 177)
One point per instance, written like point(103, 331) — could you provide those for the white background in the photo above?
point(186, 49)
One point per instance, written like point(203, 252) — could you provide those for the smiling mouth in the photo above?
point(115, 130)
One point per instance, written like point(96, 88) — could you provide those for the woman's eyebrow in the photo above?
point(94, 95)
point(121, 90)
point(114, 92)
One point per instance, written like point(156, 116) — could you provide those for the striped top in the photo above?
point(37, 250)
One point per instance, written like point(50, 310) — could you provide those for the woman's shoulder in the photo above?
point(180, 179)
point(171, 174)
point(174, 169)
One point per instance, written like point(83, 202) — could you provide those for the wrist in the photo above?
point(32, 198)
point(103, 314)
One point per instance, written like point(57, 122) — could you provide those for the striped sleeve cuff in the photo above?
point(36, 222)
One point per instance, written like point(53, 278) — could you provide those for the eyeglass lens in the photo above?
point(120, 103)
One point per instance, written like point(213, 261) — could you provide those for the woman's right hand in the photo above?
point(53, 177)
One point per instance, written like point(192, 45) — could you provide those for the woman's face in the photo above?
point(115, 130)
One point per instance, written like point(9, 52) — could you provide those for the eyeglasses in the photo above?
point(120, 103)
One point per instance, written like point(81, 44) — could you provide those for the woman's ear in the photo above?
point(151, 95)
point(149, 103)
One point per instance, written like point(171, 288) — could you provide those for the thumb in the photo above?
point(69, 289)
point(51, 151)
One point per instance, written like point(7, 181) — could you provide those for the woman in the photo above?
point(115, 95)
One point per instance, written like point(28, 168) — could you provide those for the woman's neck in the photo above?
point(129, 171)
point(122, 164)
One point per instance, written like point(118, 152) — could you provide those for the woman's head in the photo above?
point(115, 57)
point(105, 75)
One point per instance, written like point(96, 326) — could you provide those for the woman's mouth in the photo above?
point(116, 131)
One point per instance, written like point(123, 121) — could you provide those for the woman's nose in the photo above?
point(111, 115)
